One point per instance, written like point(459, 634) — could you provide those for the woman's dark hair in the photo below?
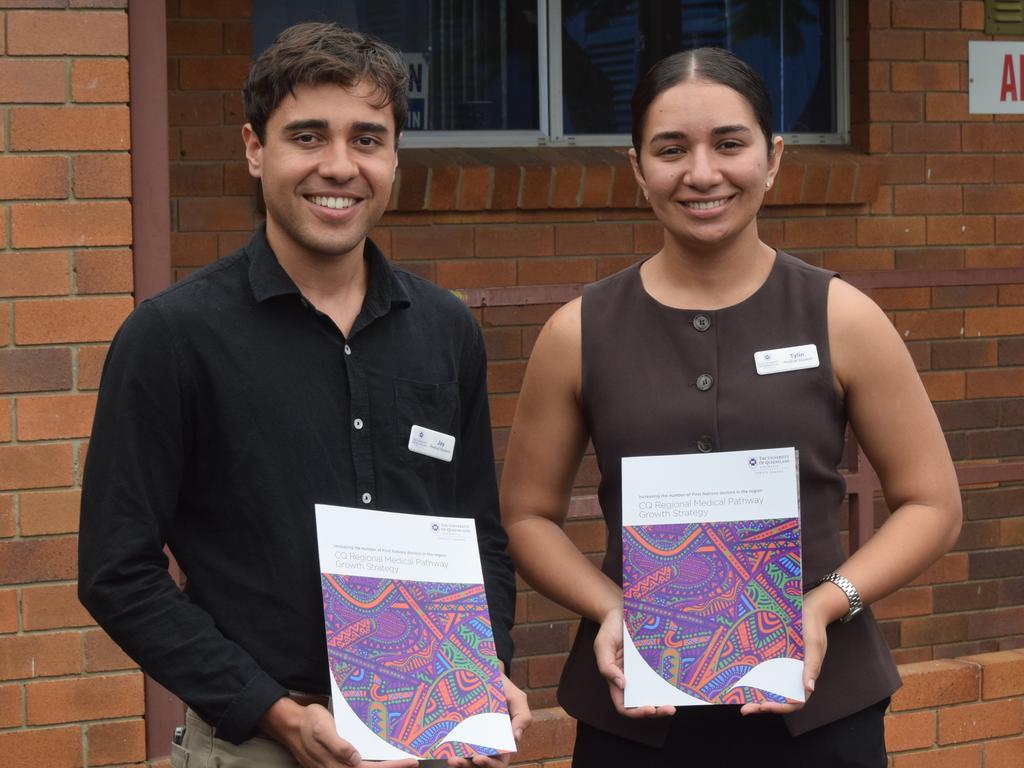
point(314, 53)
point(715, 65)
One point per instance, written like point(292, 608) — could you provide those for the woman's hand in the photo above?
point(519, 712)
point(608, 652)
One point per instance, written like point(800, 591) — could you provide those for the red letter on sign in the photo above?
point(1009, 81)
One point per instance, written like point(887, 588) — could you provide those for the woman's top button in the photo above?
point(367, 498)
point(705, 382)
point(705, 444)
point(358, 423)
point(348, 350)
point(701, 322)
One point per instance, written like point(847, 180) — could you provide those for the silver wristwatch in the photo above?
point(852, 595)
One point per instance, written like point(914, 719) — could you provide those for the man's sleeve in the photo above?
point(137, 455)
point(477, 490)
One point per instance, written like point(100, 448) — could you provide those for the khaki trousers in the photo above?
point(201, 749)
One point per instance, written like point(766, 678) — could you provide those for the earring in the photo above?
point(768, 184)
point(647, 196)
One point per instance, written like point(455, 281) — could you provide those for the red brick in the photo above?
point(88, 698)
point(35, 370)
point(913, 730)
point(903, 603)
point(956, 169)
point(1011, 293)
point(1002, 673)
point(917, 199)
point(948, 107)
point(973, 595)
point(1010, 169)
point(503, 408)
point(925, 76)
point(926, 137)
point(502, 241)
point(49, 512)
point(62, 128)
point(10, 707)
point(593, 239)
point(193, 36)
point(7, 529)
point(934, 683)
point(41, 747)
point(99, 80)
point(61, 33)
point(998, 623)
point(8, 611)
point(997, 383)
point(24, 561)
point(475, 188)
point(90, 365)
point(103, 271)
point(548, 736)
point(947, 45)
point(896, 107)
point(432, 242)
point(535, 191)
point(552, 271)
point(566, 186)
point(596, 186)
point(193, 249)
point(1005, 753)
point(32, 81)
point(69, 320)
point(33, 178)
point(443, 190)
point(237, 181)
point(994, 321)
point(103, 655)
point(540, 610)
point(950, 230)
point(816, 233)
point(930, 630)
point(46, 225)
point(102, 175)
point(217, 9)
point(3, 215)
point(906, 230)
point(195, 108)
point(902, 298)
point(993, 137)
point(1003, 198)
point(216, 213)
point(987, 720)
point(897, 169)
point(211, 143)
point(34, 466)
point(897, 44)
point(35, 273)
point(40, 655)
point(118, 742)
point(1002, 502)
point(929, 324)
point(472, 273)
point(648, 238)
point(927, 14)
point(53, 607)
point(968, 756)
point(238, 37)
point(54, 417)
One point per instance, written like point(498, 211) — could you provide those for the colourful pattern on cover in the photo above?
point(413, 659)
point(707, 602)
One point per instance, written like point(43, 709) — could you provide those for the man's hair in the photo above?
point(314, 53)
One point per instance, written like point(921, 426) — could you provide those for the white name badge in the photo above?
point(786, 359)
point(431, 443)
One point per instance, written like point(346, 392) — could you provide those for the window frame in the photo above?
point(551, 132)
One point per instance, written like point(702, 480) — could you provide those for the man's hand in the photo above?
point(519, 712)
point(608, 651)
point(309, 733)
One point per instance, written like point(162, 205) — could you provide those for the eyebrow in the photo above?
point(314, 124)
point(717, 131)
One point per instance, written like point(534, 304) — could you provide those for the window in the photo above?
point(561, 72)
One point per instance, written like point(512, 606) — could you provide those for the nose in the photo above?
point(702, 172)
point(338, 163)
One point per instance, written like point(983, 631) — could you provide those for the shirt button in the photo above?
point(701, 322)
point(358, 423)
point(705, 444)
point(348, 350)
point(367, 498)
point(705, 382)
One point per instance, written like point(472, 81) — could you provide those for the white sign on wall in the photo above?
point(419, 96)
point(996, 71)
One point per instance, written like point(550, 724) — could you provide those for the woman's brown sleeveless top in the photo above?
point(660, 380)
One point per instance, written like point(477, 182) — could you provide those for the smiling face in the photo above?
point(704, 164)
point(327, 165)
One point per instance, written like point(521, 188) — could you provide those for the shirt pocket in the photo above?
point(423, 404)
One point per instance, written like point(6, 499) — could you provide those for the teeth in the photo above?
point(333, 202)
point(706, 205)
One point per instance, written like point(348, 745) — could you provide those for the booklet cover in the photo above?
point(409, 642)
point(712, 578)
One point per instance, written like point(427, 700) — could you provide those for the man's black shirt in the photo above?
point(229, 406)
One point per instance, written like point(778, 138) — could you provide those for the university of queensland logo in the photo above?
point(752, 461)
point(435, 527)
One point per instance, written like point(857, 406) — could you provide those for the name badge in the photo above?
point(786, 359)
point(431, 443)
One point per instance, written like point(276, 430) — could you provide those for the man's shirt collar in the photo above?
point(268, 278)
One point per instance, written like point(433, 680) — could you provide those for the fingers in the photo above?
point(518, 708)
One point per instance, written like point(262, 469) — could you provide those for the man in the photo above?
point(287, 374)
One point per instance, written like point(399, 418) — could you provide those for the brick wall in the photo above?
point(68, 696)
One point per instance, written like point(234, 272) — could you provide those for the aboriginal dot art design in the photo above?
point(413, 659)
point(706, 603)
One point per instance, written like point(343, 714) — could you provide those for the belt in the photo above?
point(305, 699)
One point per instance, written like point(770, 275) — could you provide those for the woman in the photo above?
point(659, 359)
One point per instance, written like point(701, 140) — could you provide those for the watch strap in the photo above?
point(852, 595)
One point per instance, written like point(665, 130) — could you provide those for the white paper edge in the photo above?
point(489, 729)
point(646, 687)
point(783, 677)
point(356, 732)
